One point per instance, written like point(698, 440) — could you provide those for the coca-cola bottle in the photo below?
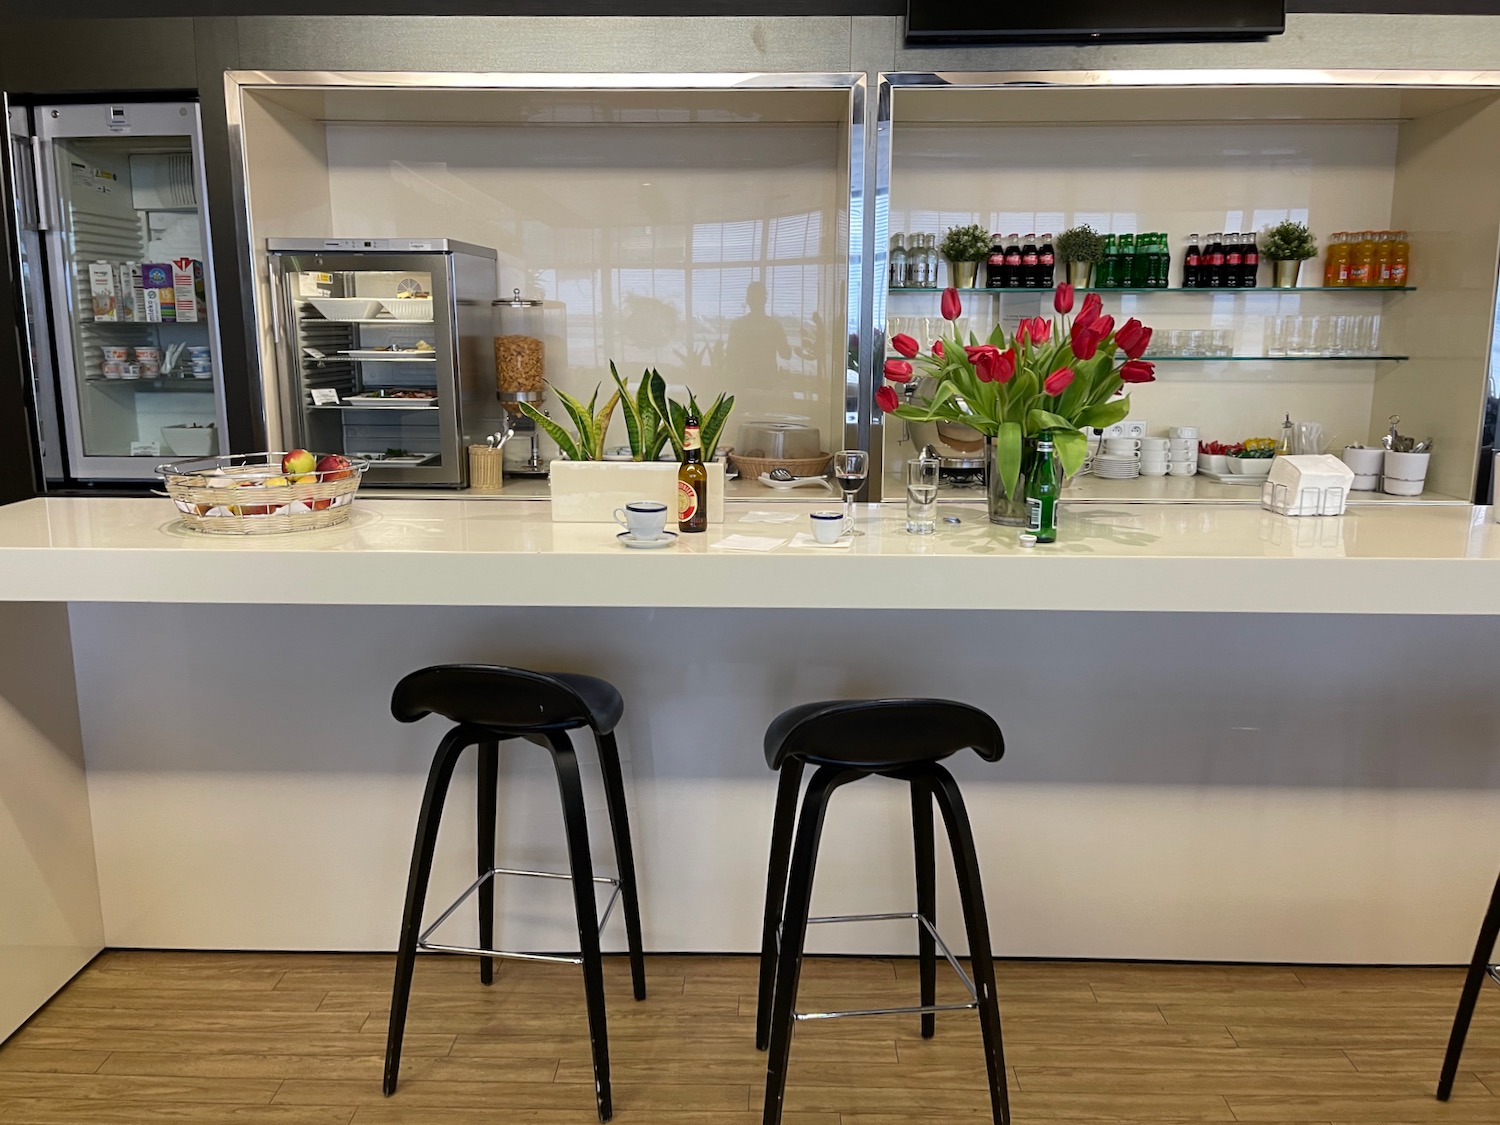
point(1013, 277)
point(1029, 278)
point(1191, 263)
point(1234, 261)
point(1213, 268)
point(1046, 264)
point(1250, 269)
point(994, 269)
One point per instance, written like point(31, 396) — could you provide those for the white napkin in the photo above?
point(747, 543)
point(804, 539)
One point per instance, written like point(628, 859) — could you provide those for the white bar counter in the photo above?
point(1230, 735)
point(1385, 559)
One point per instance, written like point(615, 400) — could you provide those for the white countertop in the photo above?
point(1148, 558)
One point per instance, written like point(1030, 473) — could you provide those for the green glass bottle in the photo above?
point(1140, 273)
point(1043, 486)
point(1104, 272)
point(1125, 256)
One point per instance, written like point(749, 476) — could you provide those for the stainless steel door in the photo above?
point(131, 281)
point(35, 339)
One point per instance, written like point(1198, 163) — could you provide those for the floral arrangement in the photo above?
point(1057, 375)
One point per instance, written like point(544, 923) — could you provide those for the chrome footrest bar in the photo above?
point(424, 942)
point(907, 916)
point(1494, 972)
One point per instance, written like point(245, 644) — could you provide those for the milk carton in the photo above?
point(187, 285)
point(104, 292)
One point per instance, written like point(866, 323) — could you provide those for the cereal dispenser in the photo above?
point(520, 367)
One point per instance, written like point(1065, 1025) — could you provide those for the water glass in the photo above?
point(1276, 335)
point(921, 495)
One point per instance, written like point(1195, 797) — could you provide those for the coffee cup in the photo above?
point(827, 526)
point(1183, 469)
point(643, 519)
point(1154, 468)
point(1123, 447)
point(1189, 433)
point(1155, 444)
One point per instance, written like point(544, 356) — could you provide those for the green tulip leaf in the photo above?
point(1105, 414)
point(1008, 456)
point(1039, 420)
point(1072, 450)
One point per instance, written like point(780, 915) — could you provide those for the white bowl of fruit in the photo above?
point(256, 493)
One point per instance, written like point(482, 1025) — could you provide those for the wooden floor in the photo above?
point(297, 1039)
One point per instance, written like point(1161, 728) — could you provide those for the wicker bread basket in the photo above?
point(751, 467)
point(213, 496)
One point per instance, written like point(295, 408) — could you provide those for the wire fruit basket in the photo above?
point(235, 495)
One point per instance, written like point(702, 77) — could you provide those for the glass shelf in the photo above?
point(167, 384)
point(1368, 289)
point(1275, 358)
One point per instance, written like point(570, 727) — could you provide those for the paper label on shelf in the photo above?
point(145, 449)
point(325, 396)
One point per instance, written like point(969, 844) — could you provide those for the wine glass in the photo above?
point(851, 467)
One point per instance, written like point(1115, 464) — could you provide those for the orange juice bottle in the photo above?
point(1362, 260)
point(1400, 259)
point(1336, 271)
point(1384, 257)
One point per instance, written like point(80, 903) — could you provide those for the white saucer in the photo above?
point(666, 540)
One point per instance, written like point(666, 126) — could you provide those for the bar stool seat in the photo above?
point(846, 740)
point(489, 705)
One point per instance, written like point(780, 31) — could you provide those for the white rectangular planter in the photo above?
point(590, 491)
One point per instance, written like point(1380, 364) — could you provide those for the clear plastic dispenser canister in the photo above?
point(520, 359)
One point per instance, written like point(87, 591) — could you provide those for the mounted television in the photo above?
point(1091, 21)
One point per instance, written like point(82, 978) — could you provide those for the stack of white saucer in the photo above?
point(1119, 460)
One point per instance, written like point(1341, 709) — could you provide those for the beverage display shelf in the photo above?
point(1341, 290)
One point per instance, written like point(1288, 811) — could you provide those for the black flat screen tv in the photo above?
point(1091, 21)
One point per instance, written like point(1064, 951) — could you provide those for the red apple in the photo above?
point(334, 466)
point(298, 461)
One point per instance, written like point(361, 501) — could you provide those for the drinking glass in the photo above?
point(1276, 333)
point(921, 495)
point(851, 467)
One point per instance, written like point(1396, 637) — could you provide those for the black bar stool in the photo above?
point(491, 705)
point(1479, 968)
point(848, 740)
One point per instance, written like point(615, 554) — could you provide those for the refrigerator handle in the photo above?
point(275, 303)
point(43, 200)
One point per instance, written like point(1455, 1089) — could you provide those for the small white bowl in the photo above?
point(1213, 463)
point(1250, 466)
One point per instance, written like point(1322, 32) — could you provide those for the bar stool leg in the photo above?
point(580, 863)
point(1484, 949)
point(971, 892)
point(921, 822)
point(619, 826)
point(794, 931)
point(783, 825)
point(438, 778)
point(489, 780)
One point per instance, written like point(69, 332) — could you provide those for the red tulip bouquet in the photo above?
point(1063, 375)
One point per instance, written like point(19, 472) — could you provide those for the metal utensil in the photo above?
point(781, 472)
point(497, 441)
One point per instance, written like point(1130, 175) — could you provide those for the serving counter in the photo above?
point(1231, 735)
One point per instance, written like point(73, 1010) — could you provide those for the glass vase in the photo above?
point(1008, 510)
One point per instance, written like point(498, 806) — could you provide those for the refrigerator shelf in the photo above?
point(169, 385)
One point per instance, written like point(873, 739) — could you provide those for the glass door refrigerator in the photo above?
point(383, 352)
point(135, 370)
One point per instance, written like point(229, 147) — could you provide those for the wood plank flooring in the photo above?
point(297, 1039)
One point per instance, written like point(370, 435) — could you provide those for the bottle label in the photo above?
point(1013, 259)
point(1046, 259)
point(1028, 259)
point(687, 501)
point(997, 259)
point(1192, 261)
point(691, 439)
point(1398, 273)
point(1231, 259)
point(1041, 514)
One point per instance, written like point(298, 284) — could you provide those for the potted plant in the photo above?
point(587, 489)
point(1288, 245)
point(1082, 248)
point(1064, 375)
point(965, 248)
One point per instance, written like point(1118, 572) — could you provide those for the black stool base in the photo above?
point(1479, 968)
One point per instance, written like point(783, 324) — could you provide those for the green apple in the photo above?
point(297, 462)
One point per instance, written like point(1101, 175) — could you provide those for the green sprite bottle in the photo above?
point(1043, 486)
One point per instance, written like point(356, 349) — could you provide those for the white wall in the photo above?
point(1263, 788)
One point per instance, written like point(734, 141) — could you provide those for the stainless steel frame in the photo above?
point(423, 942)
point(864, 351)
point(888, 82)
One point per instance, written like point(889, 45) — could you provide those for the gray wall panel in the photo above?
point(76, 56)
point(546, 44)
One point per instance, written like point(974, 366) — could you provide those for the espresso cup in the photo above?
point(644, 519)
point(827, 526)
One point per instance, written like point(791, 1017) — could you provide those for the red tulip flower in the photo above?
point(903, 344)
point(898, 371)
point(937, 348)
point(1062, 300)
point(1041, 330)
point(1133, 337)
point(983, 356)
point(952, 307)
point(1059, 381)
point(887, 399)
point(1093, 305)
point(1086, 340)
point(1004, 366)
point(1023, 334)
point(1138, 371)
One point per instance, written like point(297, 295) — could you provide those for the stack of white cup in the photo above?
point(1155, 456)
point(1182, 446)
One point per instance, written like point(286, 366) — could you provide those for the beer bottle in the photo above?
point(1042, 489)
point(692, 481)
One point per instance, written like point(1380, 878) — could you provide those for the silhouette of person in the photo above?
point(757, 342)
